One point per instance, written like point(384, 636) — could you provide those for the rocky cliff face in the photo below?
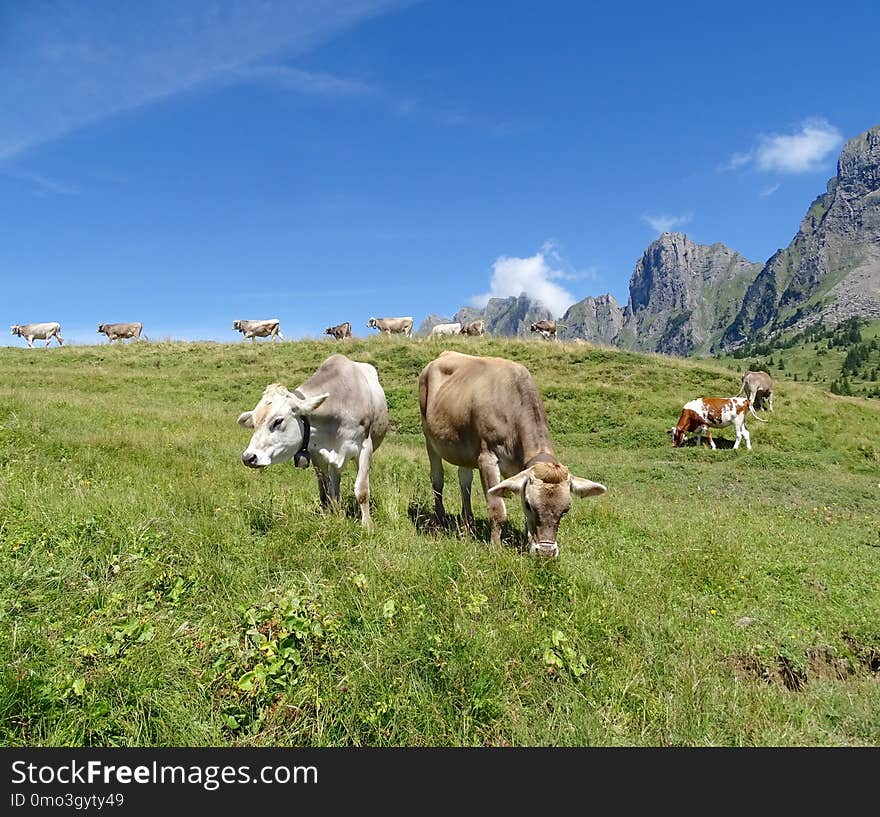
point(684, 295)
point(831, 269)
point(598, 320)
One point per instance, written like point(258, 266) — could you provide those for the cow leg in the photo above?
point(465, 480)
point(436, 463)
point(362, 481)
point(333, 480)
point(709, 435)
point(744, 433)
point(280, 336)
point(490, 476)
point(30, 342)
point(322, 486)
point(770, 400)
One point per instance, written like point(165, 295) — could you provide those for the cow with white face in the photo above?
point(38, 331)
point(486, 413)
point(339, 414)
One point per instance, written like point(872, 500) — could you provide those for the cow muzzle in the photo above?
point(252, 460)
point(550, 549)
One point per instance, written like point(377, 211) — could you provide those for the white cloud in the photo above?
point(768, 191)
point(85, 62)
point(803, 151)
point(534, 276)
point(308, 82)
point(666, 222)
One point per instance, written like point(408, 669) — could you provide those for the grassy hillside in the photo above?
point(845, 359)
point(156, 592)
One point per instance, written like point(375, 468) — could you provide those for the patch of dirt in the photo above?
point(825, 664)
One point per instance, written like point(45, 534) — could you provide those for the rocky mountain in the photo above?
point(683, 296)
point(831, 269)
point(688, 298)
point(598, 320)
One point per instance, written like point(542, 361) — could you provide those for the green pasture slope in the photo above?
point(155, 592)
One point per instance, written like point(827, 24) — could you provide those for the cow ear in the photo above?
point(246, 419)
point(511, 486)
point(310, 404)
point(586, 487)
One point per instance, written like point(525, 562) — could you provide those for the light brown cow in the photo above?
point(259, 329)
point(714, 412)
point(473, 328)
point(547, 329)
point(486, 413)
point(38, 331)
point(392, 326)
point(340, 331)
point(120, 331)
point(758, 387)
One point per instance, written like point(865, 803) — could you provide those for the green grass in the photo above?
point(156, 592)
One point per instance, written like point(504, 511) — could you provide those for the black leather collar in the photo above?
point(302, 459)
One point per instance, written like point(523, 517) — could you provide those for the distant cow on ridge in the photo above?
point(38, 331)
point(340, 331)
point(445, 329)
point(259, 329)
point(758, 387)
point(392, 326)
point(547, 329)
point(120, 331)
point(473, 327)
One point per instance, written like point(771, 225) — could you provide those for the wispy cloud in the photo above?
point(534, 275)
point(83, 63)
point(805, 150)
point(769, 191)
point(307, 82)
point(41, 184)
point(665, 222)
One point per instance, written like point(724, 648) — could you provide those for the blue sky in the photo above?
point(186, 164)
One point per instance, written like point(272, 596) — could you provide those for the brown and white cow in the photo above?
point(547, 329)
point(474, 328)
point(392, 326)
point(758, 387)
point(259, 329)
point(340, 331)
point(486, 413)
point(339, 414)
point(699, 415)
point(120, 331)
point(38, 331)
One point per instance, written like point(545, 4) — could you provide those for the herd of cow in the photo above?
point(271, 328)
point(482, 413)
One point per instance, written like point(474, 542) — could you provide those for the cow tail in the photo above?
point(752, 412)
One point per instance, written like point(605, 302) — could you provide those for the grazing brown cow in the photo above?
point(486, 413)
point(392, 326)
point(38, 331)
point(340, 331)
point(120, 331)
point(474, 328)
point(714, 412)
point(758, 387)
point(259, 329)
point(547, 329)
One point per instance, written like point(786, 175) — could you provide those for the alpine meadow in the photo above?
point(155, 592)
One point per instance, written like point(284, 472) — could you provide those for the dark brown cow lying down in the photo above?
point(486, 413)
